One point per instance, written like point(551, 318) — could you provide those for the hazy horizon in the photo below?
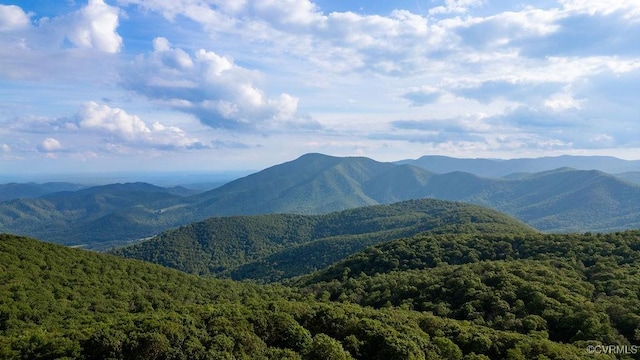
point(199, 177)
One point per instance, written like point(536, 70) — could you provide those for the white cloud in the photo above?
point(338, 41)
point(98, 128)
point(93, 26)
point(630, 8)
point(5, 147)
point(13, 18)
point(563, 101)
point(120, 127)
point(211, 87)
point(73, 47)
point(50, 145)
point(111, 120)
point(455, 6)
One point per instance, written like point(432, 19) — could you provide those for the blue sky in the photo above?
point(214, 85)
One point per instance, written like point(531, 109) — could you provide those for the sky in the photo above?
point(216, 85)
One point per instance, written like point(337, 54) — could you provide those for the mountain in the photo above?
point(631, 176)
point(494, 168)
point(566, 200)
point(561, 200)
point(558, 286)
point(278, 246)
point(58, 302)
point(311, 184)
point(14, 190)
point(95, 215)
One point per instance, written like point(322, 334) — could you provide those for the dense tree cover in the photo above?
point(98, 217)
point(57, 302)
point(277, 246)
point(569, 288)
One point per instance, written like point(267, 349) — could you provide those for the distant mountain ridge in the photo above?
point(494, 168)
point(561, 200)
point(31, 190)
point(95, 216)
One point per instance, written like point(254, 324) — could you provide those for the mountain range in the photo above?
point(560, 200)
point(494, 168)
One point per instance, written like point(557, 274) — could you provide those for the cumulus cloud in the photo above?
point(109, 127)
point(212, 87)
point(49, 145)
point(120, 127)
point(93, 26)
point(13, 18)
point(76, 46)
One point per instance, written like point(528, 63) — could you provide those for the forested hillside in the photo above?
point(96, 217)
point(58, 302)
point(568, 288)
point(277, 246)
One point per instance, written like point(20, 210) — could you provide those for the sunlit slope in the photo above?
point(277, 246)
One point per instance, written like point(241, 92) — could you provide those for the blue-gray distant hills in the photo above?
point(494, 168)
point(559, 200)
point(31, 190)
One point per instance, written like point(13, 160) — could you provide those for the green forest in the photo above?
point(431, 296)
point(275, 247)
